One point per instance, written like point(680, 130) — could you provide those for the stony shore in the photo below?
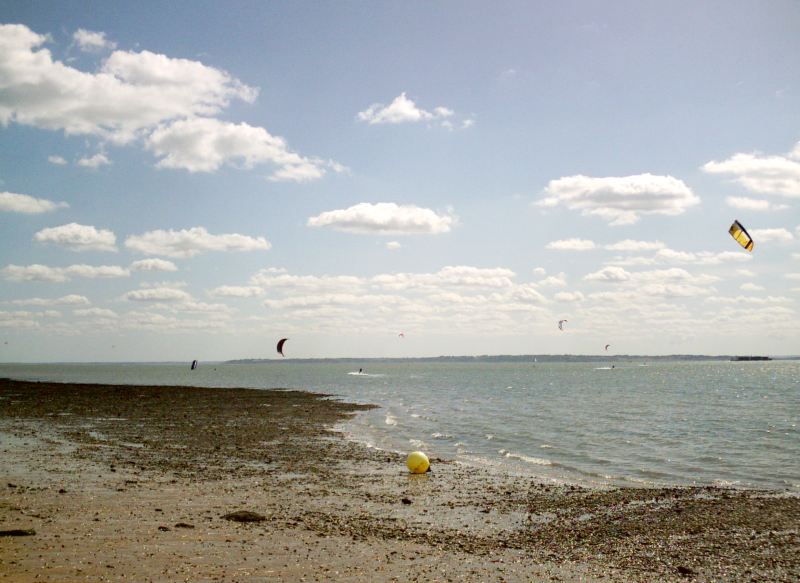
point(138, 483)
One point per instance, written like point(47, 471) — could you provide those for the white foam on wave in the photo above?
point(546, 446)
point(391, 419)
point(438, 435)
point(489, 436)
point(525, 458)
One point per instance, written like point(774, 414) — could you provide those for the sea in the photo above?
point(664, 423)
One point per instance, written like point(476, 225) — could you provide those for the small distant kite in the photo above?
point(741, 235)
point(194, 365)
point(401, 335)
point(607, 345)
point(561, 324)
point(280, 346)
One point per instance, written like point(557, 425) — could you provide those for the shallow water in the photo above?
point(670, 423)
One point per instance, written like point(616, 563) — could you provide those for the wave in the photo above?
point(525, 458)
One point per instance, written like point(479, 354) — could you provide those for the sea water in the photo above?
point(667, 423)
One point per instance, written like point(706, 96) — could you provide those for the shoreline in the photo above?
point(135, 462)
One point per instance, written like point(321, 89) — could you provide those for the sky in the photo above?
point(384, 179)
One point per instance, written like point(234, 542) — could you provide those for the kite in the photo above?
point(561, 324)
point(607, 345)
point(741, 235)
point(402, 335)
point(194, 365)
point(280, 346)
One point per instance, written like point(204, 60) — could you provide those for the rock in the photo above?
point(244, 516)
point(686, 571)
point(163, 528)
point(62, 491)
point(184, 525)
point(18, 532)
point(406, 501)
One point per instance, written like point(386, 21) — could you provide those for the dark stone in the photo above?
point(406, 501)
point(686, 571)
point(244, 516)
point(62, 491)
point(18, 532)
point(163, 528)
point(184, 525)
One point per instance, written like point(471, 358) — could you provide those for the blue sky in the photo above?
point(199, 180)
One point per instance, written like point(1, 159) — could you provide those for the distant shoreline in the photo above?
point(524, 358)
point(483, 358)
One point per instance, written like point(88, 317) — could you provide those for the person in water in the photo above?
point(360, 370)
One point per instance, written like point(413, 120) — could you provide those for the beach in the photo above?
point(142, 483)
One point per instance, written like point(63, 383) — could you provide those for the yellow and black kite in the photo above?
point(741, 235)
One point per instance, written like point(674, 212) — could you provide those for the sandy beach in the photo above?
point(143, 483)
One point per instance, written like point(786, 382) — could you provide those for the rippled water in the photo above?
point(731, 423)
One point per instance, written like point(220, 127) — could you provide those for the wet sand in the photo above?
point(133, 483)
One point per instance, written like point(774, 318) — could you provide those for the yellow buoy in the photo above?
point(417, 462)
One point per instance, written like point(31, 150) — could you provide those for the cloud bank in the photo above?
point(620, 200)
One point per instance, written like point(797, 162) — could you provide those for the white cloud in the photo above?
point(632, 245)
point(385, 218)
point(341, 299)
point(748, 300)
point(57, 160)
point(205, 145)
point(68, 300)
point(779, 235)
point(764, 174)
point(78, 237)
point(393, 245)
point(675, 281)
point(191, 242)
point(749, 286)
point(91, 41)
point(458, 276)
point(569, 296)
point(611, 274)
point(158, 294)
point(745, 273)
point(22, 203)
point(37, 272)
point(272, 278)
point(702, 257)
point(539, 271)
point(153, 265)
point(792, 276)
point(130, 94)
point(571, 245)
point(754, 204)
point(231, 291)
point(168, 103)
point(559, 280)
point(95, 161)
point(401, 110)
point(96, 271)
point(95, 313)
point(620, 200)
